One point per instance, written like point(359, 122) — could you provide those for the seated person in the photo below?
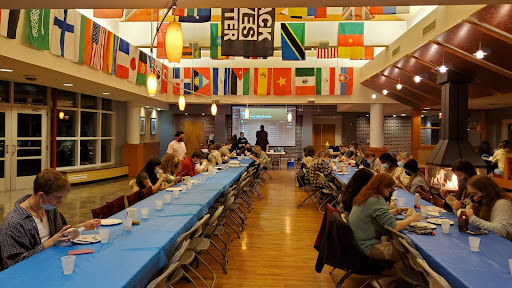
point(214, 158)
point(225, 151)
point(35, 223)
point(242, 141)
point(416, 180)
point(376, 165)
point(351, 150)
point(309, 153)
point(188, 166)
point(464, 170)
point(491, 206)
point(246, 150)
point(234, 144)
point(389, 165)
point(401, 158)
point(320, 164)
point(148, 177)
point(504, 150)
point(171, 167)
point(355, 184)
point(258, 154)
point(370, 213)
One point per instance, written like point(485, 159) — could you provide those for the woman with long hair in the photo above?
point(416, 180)
point(214, 158)
point(354, 186)
point(464, 170)
point(390, 166)
point(370, 213)
point(309, 153)
point(147, 177)
point(259, 154)
point(491, 206)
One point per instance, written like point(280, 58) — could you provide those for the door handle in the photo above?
point(13, 149)
point(6, 149)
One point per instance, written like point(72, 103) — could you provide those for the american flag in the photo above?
point(99, 38)
point(325, 53)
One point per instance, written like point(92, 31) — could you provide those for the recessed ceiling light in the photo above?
point(399, 86)
point(5, 70)
point(385, 92)
point(403, 115)
point(422, 116)
point(106, 93)
point(146, 106)
point(424, 111)
point(374, 96)
point(186, 113)
point(158, 109)
point(442, 69)
point(417, 79)
point(367, 115)
point(394, 115)
point(67, 84)
point(202, 114)
point(427, 108)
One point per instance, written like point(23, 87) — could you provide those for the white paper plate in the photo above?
point(109, 222)
point(244, 165)
point(432, 213)
point(423, 224)
point(435, 209)
point(177, 188)
point(438, 221)
point(88, 239)
point(194, 181)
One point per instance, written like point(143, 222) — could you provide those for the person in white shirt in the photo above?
point(177, 146)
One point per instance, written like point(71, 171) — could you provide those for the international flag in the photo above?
point(282, 81)
point(350, 34)
point(182, 81)
point(85, 48)
point(305, 81)
point(157, 70)
point(65, 40)
point(38, 23)
point(262, 81)
point(386, 10)
point(292, 41)
point(160, 42)
point(126, 63)
point(189, 53)
point(201, 80)
point(305, 13)
point(194, 15)
point(346, 79)
point(99, 41)
point(9, 22)
point(240, 78)
point(357, 13)
point(140, 15)
point(108, 13)
point(107, 52)
point(215, 41)
point(327, 53)
point(326, 81)
point(111, 54)
point(221, 77)
point(142, 69)
point(356, 53)
point(164, 79)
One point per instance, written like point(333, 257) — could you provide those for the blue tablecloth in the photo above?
point(129, 259)
point(449, 254)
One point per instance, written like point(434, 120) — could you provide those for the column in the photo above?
point(132, 151)
point(132, 123)
point(377, 125)
point(307, 128)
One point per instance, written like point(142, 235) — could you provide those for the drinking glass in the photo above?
point(68, 263)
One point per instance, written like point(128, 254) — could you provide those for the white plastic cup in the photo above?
point(445, 225)
point(424, 211)
point(104, 235)
point(510, 265)
point(68, 263)
point(144, 213)
point(176, 194)
point(168, 197)
point(189, 185)
point(474, 243)
point(128, 224)
point(132, 213)
point(401, 202)
point(187, 179)
point(158, 204)
point(184, 188)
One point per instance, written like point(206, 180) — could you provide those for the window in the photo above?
point(85, 133)
point(430, 129)
point(30, 94)
point(4, 92)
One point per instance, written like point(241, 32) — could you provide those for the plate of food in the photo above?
point(88, 239)
point(438, 221)
point(423, 225)
point(110, 222)
point(435, 209)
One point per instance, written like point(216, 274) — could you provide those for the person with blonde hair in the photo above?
point(504, 150)
point(321, 164)
point(259, 154)
point(491, 208)
point(215, 158)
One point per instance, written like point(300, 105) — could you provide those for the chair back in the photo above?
point(438, 201)
point(300, 178)
point(133, 198)
point(424, 194)
point(177, 255)
point(147, 192)
point(104, 211)
point(394, 238)
point(133, 185)
point(163, 277)
point(119, 204)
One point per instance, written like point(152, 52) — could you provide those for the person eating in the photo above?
point(35, 223)
point(390, 166)
point(416, 180)
point(321, 164)
point(355, 184)
point(188, 166)
point(148, 177)
point(258, 154)
point(464, 170)
point(491, 207)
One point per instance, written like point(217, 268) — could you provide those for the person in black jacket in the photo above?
point(262, 138)
point(242, 141)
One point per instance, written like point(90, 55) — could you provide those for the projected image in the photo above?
point(281, 131)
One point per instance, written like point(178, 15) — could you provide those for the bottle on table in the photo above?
point(463, 221)
point(417, 202)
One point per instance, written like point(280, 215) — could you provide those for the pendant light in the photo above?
point(385, 91)
point(151, 82)
point(246, 114)
point(214, 108)
point(289, 116)
point(480, 54)
point(61, 115)
point(399, 85)
point(442, 68)
point(417, 79)
point(181, 103)
point(174, 40)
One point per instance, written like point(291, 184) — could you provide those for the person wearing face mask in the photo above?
point(370, 213)
point(389, 165)
point(351, 150)
point(416, 180)
point(188, 166)
point(177, 146)
point(320, 164)
point(401, 158)
point(464, 170)
point(225, 151)
point(148, 177)
point(35, 223)
point(491, 208)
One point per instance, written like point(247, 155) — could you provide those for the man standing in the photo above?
point(262, 138)
point(177, 146)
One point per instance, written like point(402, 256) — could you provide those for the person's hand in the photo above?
point(470, 213)
point(456, 205)
point(415, 217)
point(403, 209)
point(59, 237)
point(92, 224)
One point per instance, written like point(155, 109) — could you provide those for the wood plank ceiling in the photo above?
point(490, 27)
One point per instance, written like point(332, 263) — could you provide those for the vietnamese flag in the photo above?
point(282, 81)
point(351, 34)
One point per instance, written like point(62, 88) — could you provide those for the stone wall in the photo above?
point(397, 133)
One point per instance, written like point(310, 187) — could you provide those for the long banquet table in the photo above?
point(129, 259)
point(449, 254)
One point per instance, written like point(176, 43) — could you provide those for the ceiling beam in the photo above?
point(397, 93)
point(469, 57)
point(413, 75)
point(489, 30)
point(412, 89)
point(422, 61)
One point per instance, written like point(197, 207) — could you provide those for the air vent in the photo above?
point(429, 28)
point(77, 177)
point(395, 51)
point(311, 100)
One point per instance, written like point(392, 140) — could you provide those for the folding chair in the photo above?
point(173, 266)
point(104, 211)
point(119, 204)
point(133, 185)
point(311, 191)
point(147, 192)
point(438, 201)
point(134, 197)
point(329, 193)
point(424, 194)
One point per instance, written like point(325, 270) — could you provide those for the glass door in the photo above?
point(28, 149)
point(5, 142)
